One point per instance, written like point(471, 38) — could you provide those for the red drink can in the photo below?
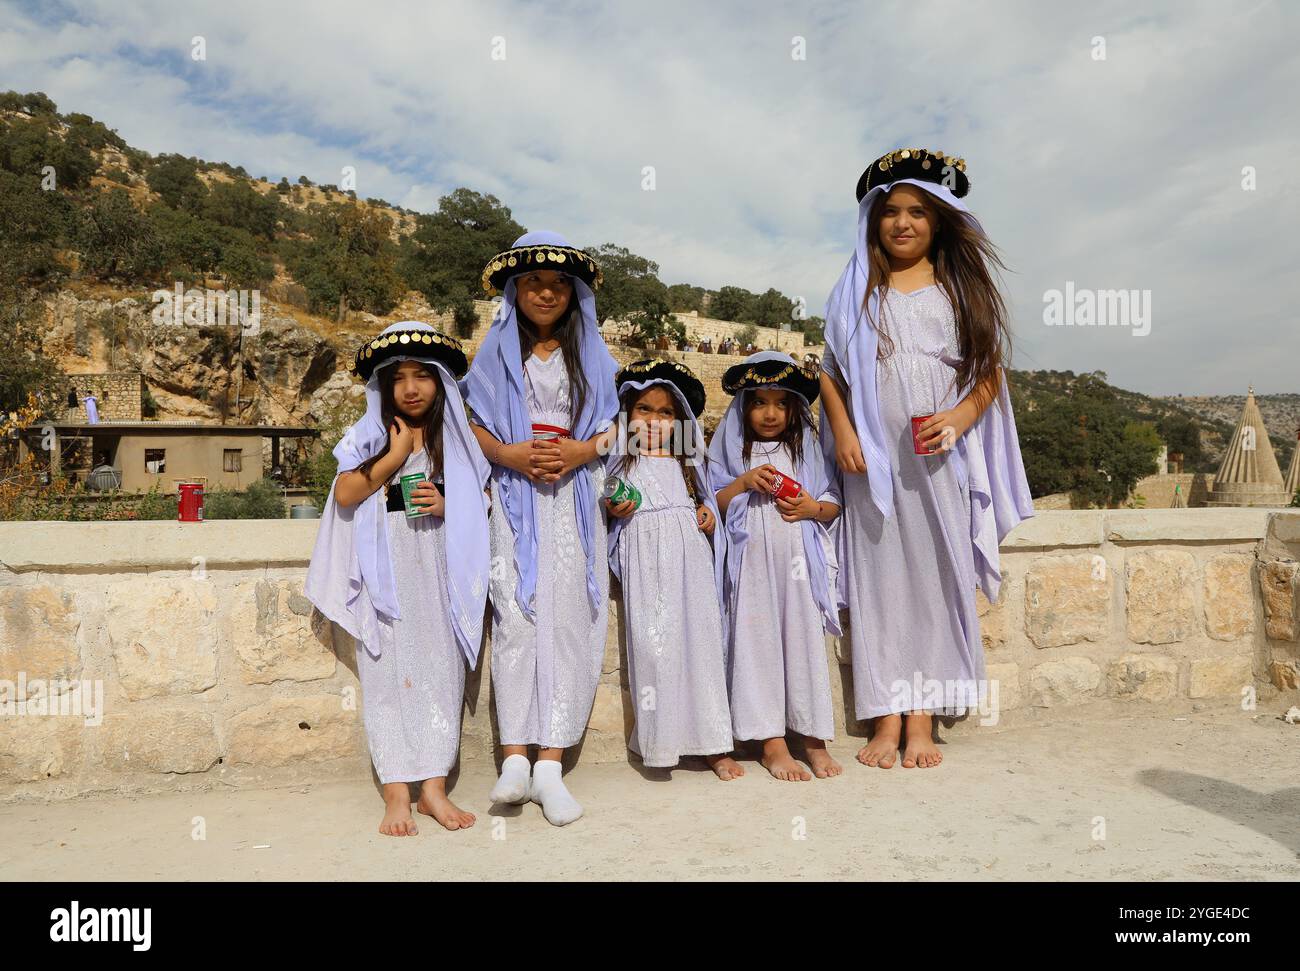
point(917, 447)
point(784, 487)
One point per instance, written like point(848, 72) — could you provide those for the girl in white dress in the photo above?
point(780, 562)
point(669, 556)
point(916, 333)
point(541, 392)
point(416, 615)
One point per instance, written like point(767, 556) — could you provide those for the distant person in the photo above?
point(92, 408)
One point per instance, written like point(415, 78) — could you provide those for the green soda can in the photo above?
point(618, 490)
point(409, 482)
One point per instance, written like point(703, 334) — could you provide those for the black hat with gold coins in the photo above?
point(540, 250)
point(678, 375)
point(768, 370)
point(410, 339)
point(916, 163)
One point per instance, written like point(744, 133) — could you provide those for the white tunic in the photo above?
point(778, 675)
point(566, 624)
point(910, 579)
point(411, 695)
point(674, 621)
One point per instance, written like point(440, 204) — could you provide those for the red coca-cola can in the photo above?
point(784, 487)
point(917, 447)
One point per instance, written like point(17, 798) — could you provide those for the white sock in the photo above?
point(513, 784)
point(548, 791)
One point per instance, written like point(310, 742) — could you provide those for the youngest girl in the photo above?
point(672, 579)
point(780, 561)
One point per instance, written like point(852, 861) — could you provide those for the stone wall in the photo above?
point(1157, 491)
point(216, 670)
point(118, 396)
point(701, 328)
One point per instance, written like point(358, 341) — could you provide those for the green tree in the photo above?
point(116, 239)
point(175, 178)
point(732, 303)
point(34, 223)
point(240, 262)
point(814, 330)
point(632, 291)
point(1080, 442)
point(771, 309)
point(240, 206)
point(350, 262)
point(189, 245)
point(444, 258)
point(1183, 435)
point(683, 298)
point(28, 146)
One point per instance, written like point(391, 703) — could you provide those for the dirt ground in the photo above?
point(1213, 795)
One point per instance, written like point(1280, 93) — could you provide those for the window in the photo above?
point(155, 460)
point(233, 459)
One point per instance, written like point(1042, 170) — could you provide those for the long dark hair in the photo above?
point(568, 331)
point(432, 423)
point(680, 420)
point(791, 438)
point(963, 259)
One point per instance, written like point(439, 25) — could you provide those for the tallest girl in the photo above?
point(916, 328)
point(541, 390)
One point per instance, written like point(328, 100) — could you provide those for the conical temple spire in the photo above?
point(1249, 474)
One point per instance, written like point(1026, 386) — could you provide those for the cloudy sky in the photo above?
point(1105, 143)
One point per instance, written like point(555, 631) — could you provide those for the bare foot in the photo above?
point(882, 750)
point(397, 819)
point(819, 759)
point(434, 802)
point(725, 767)
point(921, 752)
point(778, 760)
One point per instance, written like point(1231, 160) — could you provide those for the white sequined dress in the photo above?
point(411, 695)
point(910, 579)
point(779, 675)
point(675, 651)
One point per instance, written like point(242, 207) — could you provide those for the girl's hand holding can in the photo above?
point(426, 496)
point(622, 509)
point(704, 517)
point(761, 479)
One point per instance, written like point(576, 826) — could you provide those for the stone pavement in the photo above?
point(1208, 795)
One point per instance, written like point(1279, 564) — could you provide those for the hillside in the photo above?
point(329, 268)
point(1216, 416)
